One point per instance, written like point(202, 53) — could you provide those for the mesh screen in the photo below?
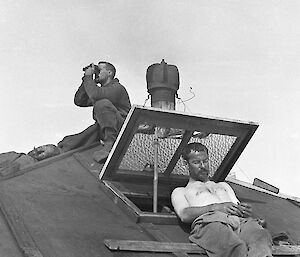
point(140, 153)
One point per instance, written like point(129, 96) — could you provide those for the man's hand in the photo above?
point(230, 208)
point(90, 70)
point(246, 209)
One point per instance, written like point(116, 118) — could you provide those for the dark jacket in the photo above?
point(89, 93)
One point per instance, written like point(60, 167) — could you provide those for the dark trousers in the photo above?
point(108, 123)
point(108, 118)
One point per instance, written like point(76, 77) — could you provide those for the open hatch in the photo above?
point(145, 166)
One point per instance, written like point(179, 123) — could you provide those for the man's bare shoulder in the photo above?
point(178, 190)
point(178, 194)
point(225, 185)
point(178, 200)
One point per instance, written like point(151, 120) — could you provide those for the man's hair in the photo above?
point(197, 147)
point(110, 67)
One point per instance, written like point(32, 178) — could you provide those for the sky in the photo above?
point(241, 59)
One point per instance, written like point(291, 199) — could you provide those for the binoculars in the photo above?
point(96, 68)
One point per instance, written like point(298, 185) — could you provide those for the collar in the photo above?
point(113, 81)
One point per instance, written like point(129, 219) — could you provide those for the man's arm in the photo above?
point(81, 98)
point(244, 208)
point(188, 213)
point(96, 93)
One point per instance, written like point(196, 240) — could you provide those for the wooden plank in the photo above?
point(18, 227)
point(146, 177)
point(174, 119)
point(158, 218)
point(185, 139)
point(151, 246)
point(169, 247)
point(156, 234)
point(286, 249)
point(178, 113)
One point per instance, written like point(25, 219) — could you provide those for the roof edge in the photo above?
point(248, 185)
point(196, 114)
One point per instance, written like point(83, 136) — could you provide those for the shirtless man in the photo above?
point(221, 225)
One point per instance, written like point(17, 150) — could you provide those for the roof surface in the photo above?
point(63, 211)
point(59, 207)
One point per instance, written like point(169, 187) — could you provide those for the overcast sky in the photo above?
point(241, 58)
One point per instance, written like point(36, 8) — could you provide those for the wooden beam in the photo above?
point(185, 139)
point(286, 249)
point(151, 246)
point(146, 177)
point(158, 235)
point(170, 247)
point(185, 121)
point(158, 218)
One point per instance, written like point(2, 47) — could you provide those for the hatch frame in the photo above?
point(111, 176)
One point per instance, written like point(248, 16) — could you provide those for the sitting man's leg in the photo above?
point(88, 136)
point(257, 239)
point(219, 240)
point(110, 122)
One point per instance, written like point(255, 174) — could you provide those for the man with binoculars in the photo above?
point(111, 105)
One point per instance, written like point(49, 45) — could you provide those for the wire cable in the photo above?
point(146, 100)
point(184, 101)
point(244, 173)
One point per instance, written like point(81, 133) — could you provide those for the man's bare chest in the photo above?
point(210, 191)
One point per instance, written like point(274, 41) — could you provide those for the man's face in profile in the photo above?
point(103, 74)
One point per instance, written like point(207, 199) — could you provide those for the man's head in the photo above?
point(106, 74)
point(195, 156)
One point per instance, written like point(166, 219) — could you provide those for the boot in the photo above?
point(101, 155)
